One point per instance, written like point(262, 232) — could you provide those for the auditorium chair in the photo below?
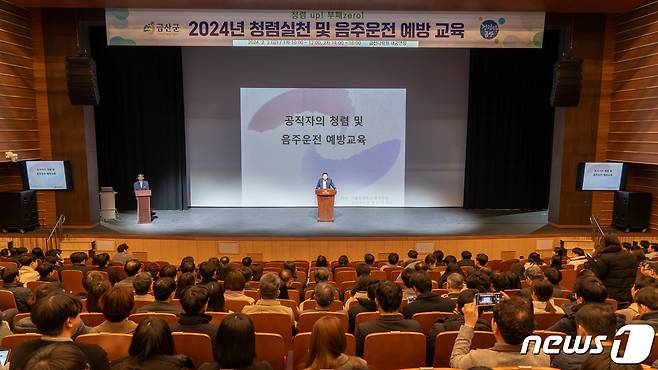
point(7, 300)
point(253, 294)
point(559, 302)
point(494, 265)
point(273, 264)
point(302, 265)
point(301, 343)
point(294, 306)
point(120, 272)
point(276, 323)
point(353, 264)
point(544, 321)
point(235, 305)
point(569, 278)
point(345, 287)
point(446, 340)
point(393, 272)
point(140, 304)
point(427, 319)
point(169, 318)
point(512, 292)
point(92, 319)
point(33, 285)
point(116, 345)
point(407, 349)
point(196, 346)
point(293, 295)
point(378, 275)
point(4, 264)
point(272, 348)
point(311, 275)
point(505, 265)
point(335, 305)
point(72, 281)
point(435, 275)
point(308, 319)
point(309, 294)
point(20, 316)
point(440, 291)
point(344, 275)
point(253, 285)
point(612, 303)
point(217, 317)
point(12, 341)
point(565, 293)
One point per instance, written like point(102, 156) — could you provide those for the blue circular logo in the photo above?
point(489, 29)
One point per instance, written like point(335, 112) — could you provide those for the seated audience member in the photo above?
point(360, 290)
point(22, 295)
point(421, 266)
point(323, 294)
point(531, 274)
point(514, 280)
point(393, 259)
point(542, 298)
point(38, 252)
point(425, 301)
point(96, 287)
point(163, 289)
point(454, 284)
point(286, 284)
point(235, 347)
point(224, 260)
point(534, 259)
point(77, 262)
point(451, 268)
point(215, 289)
point(152, 347)
point(499, 281)
point(60, 356)
point(556, 262)
point(616, 268)
point(321, 275)
point(142, 286)
point(593, 320)
point(369, 260)
point(482, 260)
point(328, 345)
point(438, 256)
point(246, 261)
point(234, 287)
point(269, 290)
point(450, 259)
point(363, 305)
point(194, 318)
point(343, 261)
point(186, 280)
point(153, 269)
point(633, 310)
point(554, 276)
point(168, 271)
point(321, 261)
point(466, 259)
point(649, 268)
point(117, 304)
point(122, 255)
point(132, 269)
point(647, 303)
point(412, 257)
point(388, 300)
point(454, 322)
point(101, 261)
point(479, 281)
point(25, 325)
point(187, 265)
point(652, 251)
point(512, 322)
point(292, 267)
point(247, 273)
point(430, 261)
point(28, 263)
point(407, 290)
point(57, 319)
point(45, 269)
point(605, 362)
point(579, 257)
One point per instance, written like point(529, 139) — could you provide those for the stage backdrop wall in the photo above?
point(436, 84)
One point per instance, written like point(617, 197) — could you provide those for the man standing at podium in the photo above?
point(325, 182)
point(141, 184)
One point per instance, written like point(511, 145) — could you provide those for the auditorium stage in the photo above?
point(349, 222)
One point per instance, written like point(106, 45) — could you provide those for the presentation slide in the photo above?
point(46, 175)
point(602, 176)
point(290, 136)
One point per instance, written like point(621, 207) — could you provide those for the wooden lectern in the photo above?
point(143, 206)
point(325, 204)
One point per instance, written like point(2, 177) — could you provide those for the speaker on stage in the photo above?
point(567, 78)
point(19, 210)
point(631, 210)
point(81, 80)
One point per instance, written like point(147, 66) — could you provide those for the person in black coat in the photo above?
point(194, 320)
point(362, 305)
point(425, 301)
point(616, 268)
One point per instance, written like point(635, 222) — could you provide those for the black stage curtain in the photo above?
point(140, 122)
point(510, 127)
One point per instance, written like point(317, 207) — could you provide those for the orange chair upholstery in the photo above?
point(13, 340)
point(271, 348)
point(308, 319)
point(252, 293)
point(345, 275)
point(446, 340)
point(8, 264)
point(293, 295)
point(365, 316)
point(169, 318)
point(7, 300)
point(92, 319)
point(217, 317)
point(235, 305)
point(544, 321)
point(33, 285)
point(427, 319)
point(72, 281)
point(196, 346)
point(301, 343)
point(612, 303)
point(276, 323)
point(335, 305)
point(20, 316)
point(378, 275)
point(560, 301)
point(409, 349)
point(116, 345)
point(568, 278)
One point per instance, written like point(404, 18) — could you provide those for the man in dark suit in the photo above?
point(426, 301)
point(78, 262)
point(195, 320)
point(57, 317)
point(141, 184)
point(163, 288)
point(325, 182)
point(388, 300)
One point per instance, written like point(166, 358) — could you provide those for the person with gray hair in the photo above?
point(454, 284)
point(321, 275)
point(269, 290)
point(531, 274)
point(323, 295)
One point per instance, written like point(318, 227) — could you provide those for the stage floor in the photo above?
point(349, 222)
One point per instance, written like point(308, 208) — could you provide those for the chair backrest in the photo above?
point(308, 319)
point(72, 281)
point(560, 301)
point(293, 295)
point(33, 285)
point(378, 275)
point(196, 346)
point(7, 300)
point(20, 316)
point(446, 340)
point(252, 293)
point(569, 278)
point(365, 316)
point(217, 317)
point(301, 344)
point(140, 304)
point(169, 318)
point(271, 348)
point(335, 305)
point(8, 264)
point(116, 345)
point(294, 306)
point(409, 350)
point(235, 305)
point(309, 294)
point(345, 275)
point(544, 321)
point(612, 303)
point(276, 323)
point(121, 273)
point(13, 340)
point(427, 319)
point(92, 319)
point(394, 273)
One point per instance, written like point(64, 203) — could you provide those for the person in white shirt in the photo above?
point(579, 257)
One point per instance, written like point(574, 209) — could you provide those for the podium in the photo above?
point(143, 206)
point(325, 204)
